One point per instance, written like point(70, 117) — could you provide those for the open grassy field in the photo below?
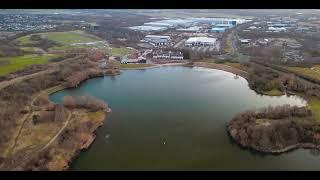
point(27, 49)
point(16, 63)
point(70, 37)
point(122, 51)
point(25, 40)
point(273, 92)
point(95, 115)
point(313, 72)
point(314, 105)
point(236, 65)
point(65, 39)
point(208, 60)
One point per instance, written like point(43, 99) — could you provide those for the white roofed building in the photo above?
point(148, 28)
point(157, 40)
point(200, 41)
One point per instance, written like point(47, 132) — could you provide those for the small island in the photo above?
point(275, 129)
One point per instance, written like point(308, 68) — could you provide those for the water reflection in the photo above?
point(169, 119)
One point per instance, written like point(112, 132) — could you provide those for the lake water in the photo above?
point(174, 118)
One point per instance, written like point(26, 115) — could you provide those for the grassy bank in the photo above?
point(273, 92)
point(124, 66)
point(313, 72)
point(122, 51)
point(54, 89)
point(95, 115)
point(314, 105)
point(12, 64)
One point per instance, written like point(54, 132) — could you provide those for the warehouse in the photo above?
point(218, 30)
point(190, 29)
point(223, 25)
point(157, 40)
point(274, 29)
point(200, 41)
point(159, 24)
point(148, 28)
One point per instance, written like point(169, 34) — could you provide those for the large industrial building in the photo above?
point(223, 25)
point(275, 29)
point(200, 41)
point(159, 24)
point(148, 28)
point(156, 40)
point(218, 30)
point(190, 29)
point(176, 23)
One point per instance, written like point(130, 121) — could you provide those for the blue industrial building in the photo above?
point(218, 30)
point(223, 25)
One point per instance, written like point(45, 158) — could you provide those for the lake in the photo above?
point(174, 118)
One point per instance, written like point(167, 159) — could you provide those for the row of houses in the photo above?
point(259, 42)
point(126, 60)
point(170, 55)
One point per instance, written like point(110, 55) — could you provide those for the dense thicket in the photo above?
point(88, 102)
point(274, 128)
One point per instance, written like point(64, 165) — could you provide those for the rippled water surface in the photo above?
point(174, 118)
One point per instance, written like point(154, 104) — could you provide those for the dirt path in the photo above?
point(58, 134)
point(27, 116)
point(39, 50)
point(5, 84)
point(53, 67)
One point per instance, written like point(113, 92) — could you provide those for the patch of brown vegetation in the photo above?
point(275, 129)
point(39, 135)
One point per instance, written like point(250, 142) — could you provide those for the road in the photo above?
point(5, 84)
point(179, 44)
point(234, 50)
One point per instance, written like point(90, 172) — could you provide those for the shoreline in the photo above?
point(86, 146)
point(56, 163)
point(155, 66)
point(279, 151)
point(225, 68)
point(90, 141)
point(222, 67)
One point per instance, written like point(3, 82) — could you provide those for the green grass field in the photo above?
point(314, 105)
point(119, 51)
point(25, 40)
point(20, 62)
point(95, 115)
point(313, 72)
point(273, 92)
point(28, 50)
point(65, 39)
